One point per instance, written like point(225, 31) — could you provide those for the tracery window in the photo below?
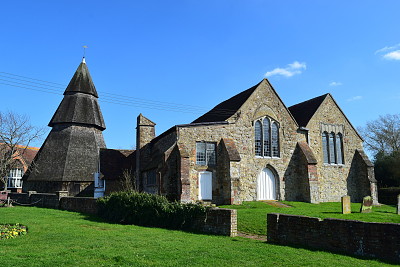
point(332, 146)
point(266, 133)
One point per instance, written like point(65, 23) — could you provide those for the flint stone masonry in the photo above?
point(377, 240)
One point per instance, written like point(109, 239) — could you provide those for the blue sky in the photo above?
point(174, 60)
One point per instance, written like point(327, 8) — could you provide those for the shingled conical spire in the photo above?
point(80, 101)
point(69, 156)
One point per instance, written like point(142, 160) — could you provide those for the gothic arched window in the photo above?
point(266, 133)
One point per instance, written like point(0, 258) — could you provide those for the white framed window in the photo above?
point(205, 153)
point(266, 138)
point(14, 179)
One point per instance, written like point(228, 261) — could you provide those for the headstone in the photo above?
point(398, 204)
point(366, 205)
point(346, 205)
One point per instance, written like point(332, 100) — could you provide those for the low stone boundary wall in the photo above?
point(378, 240)
point(217, 221)
point(79, 204)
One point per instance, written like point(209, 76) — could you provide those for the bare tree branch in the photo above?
point(16, 134)
point(382, 135)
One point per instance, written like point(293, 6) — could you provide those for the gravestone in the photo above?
point(398, 204)
point(346, 205)
point(366, 206)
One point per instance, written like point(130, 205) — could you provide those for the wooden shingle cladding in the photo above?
point(69, 156)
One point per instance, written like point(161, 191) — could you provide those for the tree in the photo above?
point(382, 138)
point(383, 135)
point(16, 134)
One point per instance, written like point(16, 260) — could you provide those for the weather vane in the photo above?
point(84, 50)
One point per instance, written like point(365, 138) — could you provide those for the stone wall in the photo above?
point(378, 240)
point(218, 222)
point(333, 179)
point(263, 102)
point(86, 205)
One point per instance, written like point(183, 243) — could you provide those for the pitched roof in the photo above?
point(304, 111)
point(79, 104)
point(227, 108)
point(113, 162)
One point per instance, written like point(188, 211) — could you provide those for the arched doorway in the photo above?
point(266, 185)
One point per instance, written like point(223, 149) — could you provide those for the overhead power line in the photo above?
point(44, 86)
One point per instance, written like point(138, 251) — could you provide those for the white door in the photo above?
point(205, 185)
point(266, 185)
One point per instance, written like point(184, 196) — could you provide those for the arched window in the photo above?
point(339, 148)
point(325, 148)
point(266, 137)
point(258, 138)
point(275, 139)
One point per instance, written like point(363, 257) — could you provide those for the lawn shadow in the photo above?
point(366, 258)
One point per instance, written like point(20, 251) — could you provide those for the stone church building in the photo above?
point(249, 147)
point(252, 147)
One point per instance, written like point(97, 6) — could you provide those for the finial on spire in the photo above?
point(84, 53)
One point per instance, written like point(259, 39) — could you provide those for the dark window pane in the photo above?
point(339, 148)
point(332, 154)
point(258, 138)
point(275, 139)
point(267, 138)
point(325, 147)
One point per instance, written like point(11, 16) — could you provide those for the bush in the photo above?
point(148, 210)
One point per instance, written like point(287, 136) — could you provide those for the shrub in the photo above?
point(145, 209)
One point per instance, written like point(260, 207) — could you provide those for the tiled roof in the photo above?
point(113, 162)
point(227, 108)
point(304, 111)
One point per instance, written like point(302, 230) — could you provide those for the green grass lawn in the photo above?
point(62, 238)
point(252, 215)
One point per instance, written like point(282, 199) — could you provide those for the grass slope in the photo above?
point(62, 238)
point(252, 215)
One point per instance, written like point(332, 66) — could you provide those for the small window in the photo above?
point(205, 153)
point(14, 179)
